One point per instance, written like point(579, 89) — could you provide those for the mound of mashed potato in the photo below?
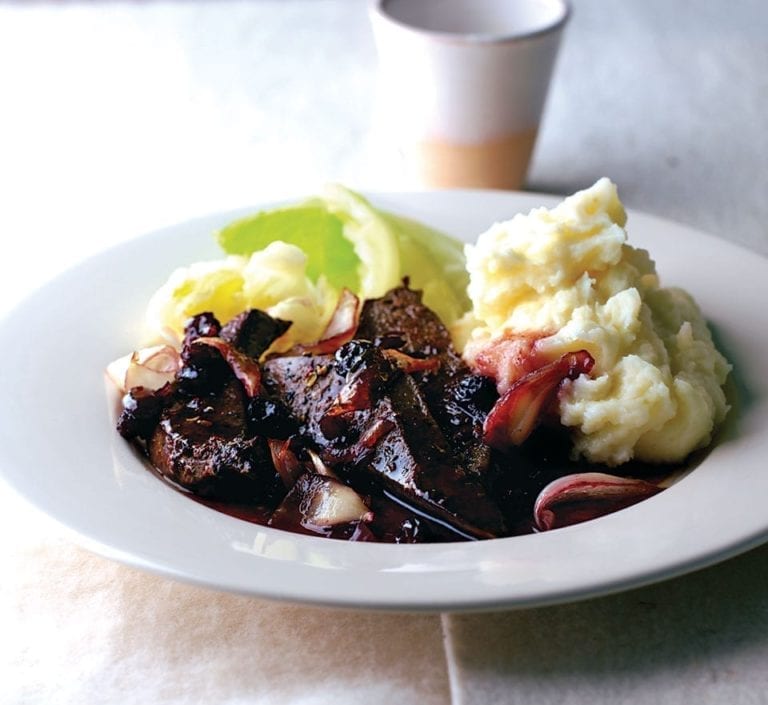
point(567, 279)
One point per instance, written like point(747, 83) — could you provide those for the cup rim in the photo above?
point(377, 9)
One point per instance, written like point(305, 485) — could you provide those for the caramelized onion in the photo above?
point(340, 329)
point(518, 411)
point(285, 461)
point(318, 503)
point(330, 502)
point(587, 495)
point(150, 368)
point(319, 466)
point(345, 316)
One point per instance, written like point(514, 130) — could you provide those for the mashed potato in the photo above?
point(567, 279)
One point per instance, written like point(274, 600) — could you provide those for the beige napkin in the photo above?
point(81, 630)
point(701, 639)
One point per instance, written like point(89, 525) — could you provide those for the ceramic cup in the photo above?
point(463, 84)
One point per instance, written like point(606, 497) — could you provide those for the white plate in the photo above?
point(61, 452)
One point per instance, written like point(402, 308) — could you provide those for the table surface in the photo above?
point(116, 118)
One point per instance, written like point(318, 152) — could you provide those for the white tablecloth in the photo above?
point(116, 118)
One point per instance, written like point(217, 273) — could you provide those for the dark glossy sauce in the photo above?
point(542, 459)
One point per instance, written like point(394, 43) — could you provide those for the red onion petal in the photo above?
point(150, 368)
point(587, 495)
point(515, 415)
point(341, 327)
point(285, 461)
point(331, 502)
